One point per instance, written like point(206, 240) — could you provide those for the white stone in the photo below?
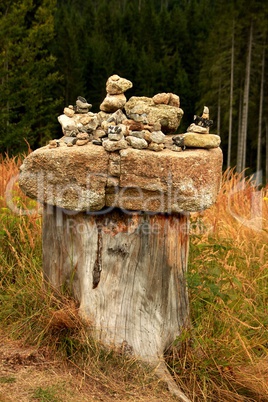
point(194, 128)
point(68, 111)
point(67, 123)
point(115, 136)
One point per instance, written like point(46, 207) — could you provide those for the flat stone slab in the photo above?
point(89, 178)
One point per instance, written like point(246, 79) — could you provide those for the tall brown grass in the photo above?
point(223, 357)
point(226, 358)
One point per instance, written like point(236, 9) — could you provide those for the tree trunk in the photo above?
point(231, 104)
point(242, 147)
point(258, 174)
point(238, 157)
point(126, 270)
point(219, 110)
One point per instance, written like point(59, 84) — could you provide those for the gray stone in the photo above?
point(115, 133)
point(97, 142)
point(80, 110)
point(194, 128)
point(69, 140)
point(117, 117)
point(175, 148)
point(178, 140)
point(202, 121)
point(138, 143)
point(111, 146)
point(82, 106)
point(158, 137)
point(145, 110)
point(67, 123)
point(115, 136)
point(137, 134)
point(92, 124)
point(71, 133)
point(81, 128)
point(103, 116)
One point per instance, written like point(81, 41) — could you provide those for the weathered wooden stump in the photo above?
point(127, 271)
point(115, 231)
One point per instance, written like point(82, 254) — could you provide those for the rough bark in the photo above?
point(231, 104)
point(259, 173)
point(242, 145)
point(219, 110)
point(126, 270)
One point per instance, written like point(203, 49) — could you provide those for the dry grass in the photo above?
point(228, 282)
point(222, 358)
point(39, 316)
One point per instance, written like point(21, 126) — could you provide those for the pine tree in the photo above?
point(28, 104)
point(231, 67)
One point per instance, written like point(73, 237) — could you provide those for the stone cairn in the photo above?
point(140, 122)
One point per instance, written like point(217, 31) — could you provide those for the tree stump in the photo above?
point(116, 232)
point(127, 271)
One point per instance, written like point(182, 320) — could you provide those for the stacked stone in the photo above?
point(115, 131)
point(197, 135)
point(133, 134)
point(151, 111)
point(115, 98)
point(147, 117)
point(144, 124)
point(139, 128)
point(142, 136)
point(78, 123)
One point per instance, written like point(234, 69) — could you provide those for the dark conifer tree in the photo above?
point(28, 102)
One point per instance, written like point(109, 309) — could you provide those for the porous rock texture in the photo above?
point(89, 178)
point(145, 110)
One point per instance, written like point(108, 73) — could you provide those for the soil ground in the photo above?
point(28, 374)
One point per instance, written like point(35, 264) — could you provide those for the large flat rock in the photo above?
point(88, 178)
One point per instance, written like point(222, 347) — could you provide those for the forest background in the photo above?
point(208, 52)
